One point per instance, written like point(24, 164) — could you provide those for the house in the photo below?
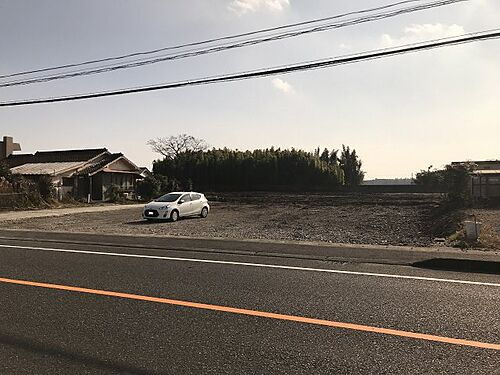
point(485, 179)
point(84, 174)
point(145, 172)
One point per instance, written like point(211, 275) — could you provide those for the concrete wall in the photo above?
point(7, 147)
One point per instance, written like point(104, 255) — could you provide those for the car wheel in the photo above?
point(204, 212)
point(174, 216)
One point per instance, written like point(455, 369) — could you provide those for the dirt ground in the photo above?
point(383, 219)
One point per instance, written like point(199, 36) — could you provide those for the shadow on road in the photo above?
point(460, 265)
point(80, 358)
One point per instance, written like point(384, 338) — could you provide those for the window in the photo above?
point(195, 197)
point(186, 198)
point(168, 198)
point(68, 181)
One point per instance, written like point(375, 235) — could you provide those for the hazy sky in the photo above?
point(402, 114)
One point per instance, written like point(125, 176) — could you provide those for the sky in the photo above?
point(401, 114)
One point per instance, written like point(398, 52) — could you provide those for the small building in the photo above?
point(485, 179)
point(84, 174)
point(486, 184)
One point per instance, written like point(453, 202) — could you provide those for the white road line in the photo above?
point(261, 265)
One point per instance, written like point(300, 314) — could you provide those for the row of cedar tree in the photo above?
point(270, 169)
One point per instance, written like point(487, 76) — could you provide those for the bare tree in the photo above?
point(172, 146)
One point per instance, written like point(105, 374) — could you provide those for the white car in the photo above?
point(174, 205)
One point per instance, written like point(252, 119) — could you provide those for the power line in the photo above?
point(319, 64)
point(223, 47)
point(207, 41)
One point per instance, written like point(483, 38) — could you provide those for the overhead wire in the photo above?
point(223, 47)
point(310, 65)
point(207, 41)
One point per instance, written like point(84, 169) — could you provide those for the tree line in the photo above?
point(189, 164)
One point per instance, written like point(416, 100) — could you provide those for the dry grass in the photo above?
point(490, 231)
point(490, 238)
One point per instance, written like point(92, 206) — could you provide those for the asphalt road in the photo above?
point(48, 330)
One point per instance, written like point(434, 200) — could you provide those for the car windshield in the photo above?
point(168, 198)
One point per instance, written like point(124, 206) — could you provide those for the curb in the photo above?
point(428, 258)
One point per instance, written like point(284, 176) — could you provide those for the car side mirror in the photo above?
point(181, 201)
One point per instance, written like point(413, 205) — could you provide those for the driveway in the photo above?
point(20, 215)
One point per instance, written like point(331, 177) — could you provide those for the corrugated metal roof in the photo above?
point(45, 168)
point(487, 171)
point(67, 155)
point(17, 159)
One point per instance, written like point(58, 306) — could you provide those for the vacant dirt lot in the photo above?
point(394, 219)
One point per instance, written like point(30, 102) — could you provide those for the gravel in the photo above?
point(379, 219)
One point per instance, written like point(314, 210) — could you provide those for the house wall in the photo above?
point(120, 165)
point(61, 189)
point(486, 187)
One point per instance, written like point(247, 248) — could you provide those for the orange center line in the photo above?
point(263, 314)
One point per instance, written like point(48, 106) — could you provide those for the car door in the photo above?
point(196, 203)
point(185, 208)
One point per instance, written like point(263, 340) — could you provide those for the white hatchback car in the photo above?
point(174, 205)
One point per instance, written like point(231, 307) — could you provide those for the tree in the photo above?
point(333, 157)
point(171, 147)
point(45, 187)
point(351, 166)
point(325, 155)
point(262, 169)
point(430, 177)
point(454, 178)
point(152, 187)
point(5, 171)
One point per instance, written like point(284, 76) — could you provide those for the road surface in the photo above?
point(91, 306)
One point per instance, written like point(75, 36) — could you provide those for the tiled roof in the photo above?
point(54, 162)
point(46, 168)
point(54, 156)
point(100, 163)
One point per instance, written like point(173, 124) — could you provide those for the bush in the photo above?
point(113, 194)
point(454, 178)
point(152, 187)
point(148, 188)
point(45, 187)
point(21, 192)
point(5, 171)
